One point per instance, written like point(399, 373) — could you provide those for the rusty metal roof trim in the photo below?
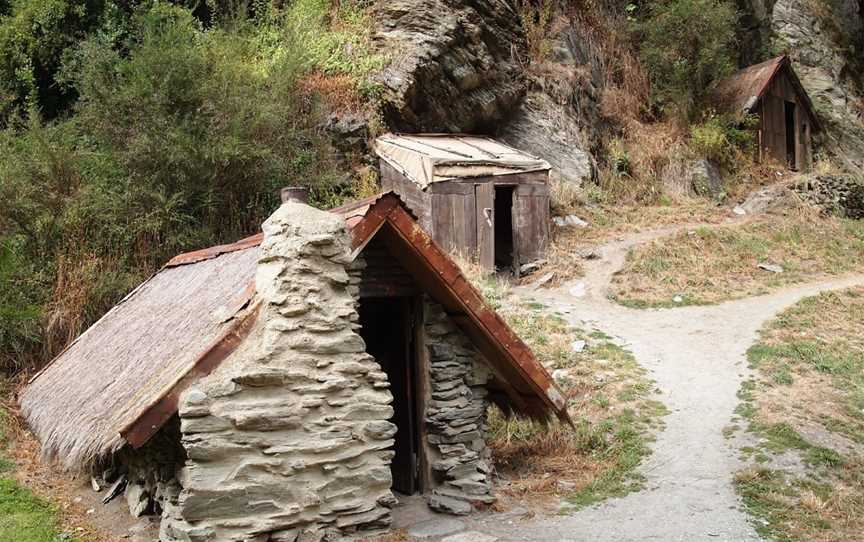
point(212, 252)
point(511, 347)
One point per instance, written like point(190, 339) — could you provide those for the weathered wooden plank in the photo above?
point(535, 177)
point(484, 200)
point(530, 226)
point(450, 187)
point(415, 199)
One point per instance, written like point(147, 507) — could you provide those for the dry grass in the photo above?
point(709, 265)
point(606, 223)
point(609, 397)
point(337, 91)
point(808, 399)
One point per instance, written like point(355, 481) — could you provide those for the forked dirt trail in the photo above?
point(697, 355)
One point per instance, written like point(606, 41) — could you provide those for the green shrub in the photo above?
point(180, 137)
point(686, 45)
point(722, 138)
point(34, 36)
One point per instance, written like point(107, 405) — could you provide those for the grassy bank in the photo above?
point(24, 517)
point(806, 409)
point(611, 401)
point(713, 264)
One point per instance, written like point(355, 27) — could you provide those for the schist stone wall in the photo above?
point(456, 417)
point(288, 439)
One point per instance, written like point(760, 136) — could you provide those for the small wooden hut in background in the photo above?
point(474, 195)
point(787, 120)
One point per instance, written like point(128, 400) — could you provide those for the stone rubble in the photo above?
point(835, 194)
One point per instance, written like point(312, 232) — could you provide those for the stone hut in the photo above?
point(787, 120)
point(284, 387)
point(474, 195)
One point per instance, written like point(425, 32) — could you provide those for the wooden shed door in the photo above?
point(530, 222)
point(484, 198)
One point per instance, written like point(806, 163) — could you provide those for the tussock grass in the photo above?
point(810, 381)
point(610, 400)
point(709, 265)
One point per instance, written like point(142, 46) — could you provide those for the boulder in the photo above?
point(551, 131)
point(692, 178)
point(706, 179)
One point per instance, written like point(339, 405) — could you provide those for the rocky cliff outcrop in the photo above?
point(453, 65)
point(462, 67)
point(559, 117)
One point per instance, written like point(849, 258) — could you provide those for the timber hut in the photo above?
point(285, 386)
point(476, 196)
point(787, 120)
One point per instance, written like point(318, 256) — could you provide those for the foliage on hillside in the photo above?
point(179, 136)
point(687, 46)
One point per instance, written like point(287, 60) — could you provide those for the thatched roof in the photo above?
point(741, 91)
point(120, 381)
point(106, 378)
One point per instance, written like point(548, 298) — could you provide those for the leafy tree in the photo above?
point(34, 35)
point(180, 137)
point(687, 45)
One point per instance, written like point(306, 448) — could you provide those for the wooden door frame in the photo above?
point(423, 392)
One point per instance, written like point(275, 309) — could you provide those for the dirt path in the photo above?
point(697, 355)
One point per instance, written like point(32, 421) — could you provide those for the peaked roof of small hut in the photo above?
point(741, 91)
point(120, 381)
point(431, 158)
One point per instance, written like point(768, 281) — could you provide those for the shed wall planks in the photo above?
point(417, 200)
point(531, 222)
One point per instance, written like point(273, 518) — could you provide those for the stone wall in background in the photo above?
point(288, 440)
point(840, 195)
point(456, 417)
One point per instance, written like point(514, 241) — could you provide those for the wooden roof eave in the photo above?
point(478, 320)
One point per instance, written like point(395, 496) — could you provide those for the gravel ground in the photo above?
point(697, 355)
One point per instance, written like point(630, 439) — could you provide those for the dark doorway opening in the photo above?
point(789, 113)
point(504, 256)
point(386, 327)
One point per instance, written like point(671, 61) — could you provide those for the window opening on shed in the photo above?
point(504, 257)
point(387, 330)
point(789, 112)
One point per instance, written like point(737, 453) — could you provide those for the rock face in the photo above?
point(550, 131)
point(826, 42)
point(456, 417)
point(288, 439)
point(559, 119)
point(452, 64)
